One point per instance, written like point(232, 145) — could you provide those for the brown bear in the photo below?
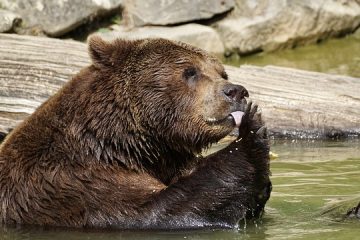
point(119, 145)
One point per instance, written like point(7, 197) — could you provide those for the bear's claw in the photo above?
point(262, 132)
point(251, 122)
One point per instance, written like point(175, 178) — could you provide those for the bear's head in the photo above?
point(171, 95)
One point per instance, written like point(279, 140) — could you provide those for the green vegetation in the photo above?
point(95, 25)
point(116, 19)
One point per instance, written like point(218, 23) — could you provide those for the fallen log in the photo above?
point(294, 103)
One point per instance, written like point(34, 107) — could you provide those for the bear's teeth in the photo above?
point(212, 119)
point(237, 117)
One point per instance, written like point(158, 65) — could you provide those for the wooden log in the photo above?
point(294, 103)
point(303, 104)
point(31, 70)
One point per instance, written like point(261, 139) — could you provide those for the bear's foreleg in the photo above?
point(228, 186)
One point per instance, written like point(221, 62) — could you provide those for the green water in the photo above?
point(314, 184)
point(335, 56)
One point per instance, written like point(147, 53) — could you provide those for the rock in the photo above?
point(56, 17)
point(194, 34)
point(264, 25)
point(8, 20)
point(335, 210)
point(165, 12)
point(354, 212)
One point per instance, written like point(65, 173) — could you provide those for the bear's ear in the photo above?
point(99, 51)
point(105, 53)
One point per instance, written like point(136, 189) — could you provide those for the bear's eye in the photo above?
point(190, 74)
point(224, 75)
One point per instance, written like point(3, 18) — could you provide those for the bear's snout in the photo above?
point(235, 93)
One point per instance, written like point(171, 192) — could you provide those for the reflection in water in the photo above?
point(335, 56)
point(314, 184)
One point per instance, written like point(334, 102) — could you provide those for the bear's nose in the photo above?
point(235, 92)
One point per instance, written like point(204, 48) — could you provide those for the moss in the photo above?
point(96, 24)
point(116, 19)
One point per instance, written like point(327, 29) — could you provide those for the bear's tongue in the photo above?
point(237, 116)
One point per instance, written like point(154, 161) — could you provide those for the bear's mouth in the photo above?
point(237, 117)
point(233, 118)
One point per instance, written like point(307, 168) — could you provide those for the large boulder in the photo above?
point(8, 20)
point(195, 34)
point(165, 12)
point(264, 25)
point(56, 17)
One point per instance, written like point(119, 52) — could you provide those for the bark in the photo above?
point(294, 103)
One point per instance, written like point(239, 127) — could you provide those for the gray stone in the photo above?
point(257, 25)
point(56, 17)
point(165, 12)
point(8, 20)
point(195, 34)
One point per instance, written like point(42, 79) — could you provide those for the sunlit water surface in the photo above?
point(314, 184)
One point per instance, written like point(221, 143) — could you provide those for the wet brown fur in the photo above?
point(116, 146)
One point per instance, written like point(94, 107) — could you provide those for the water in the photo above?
point(314, 185)
point(335, 56)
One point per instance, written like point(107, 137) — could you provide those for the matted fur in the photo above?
point(117, 146)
